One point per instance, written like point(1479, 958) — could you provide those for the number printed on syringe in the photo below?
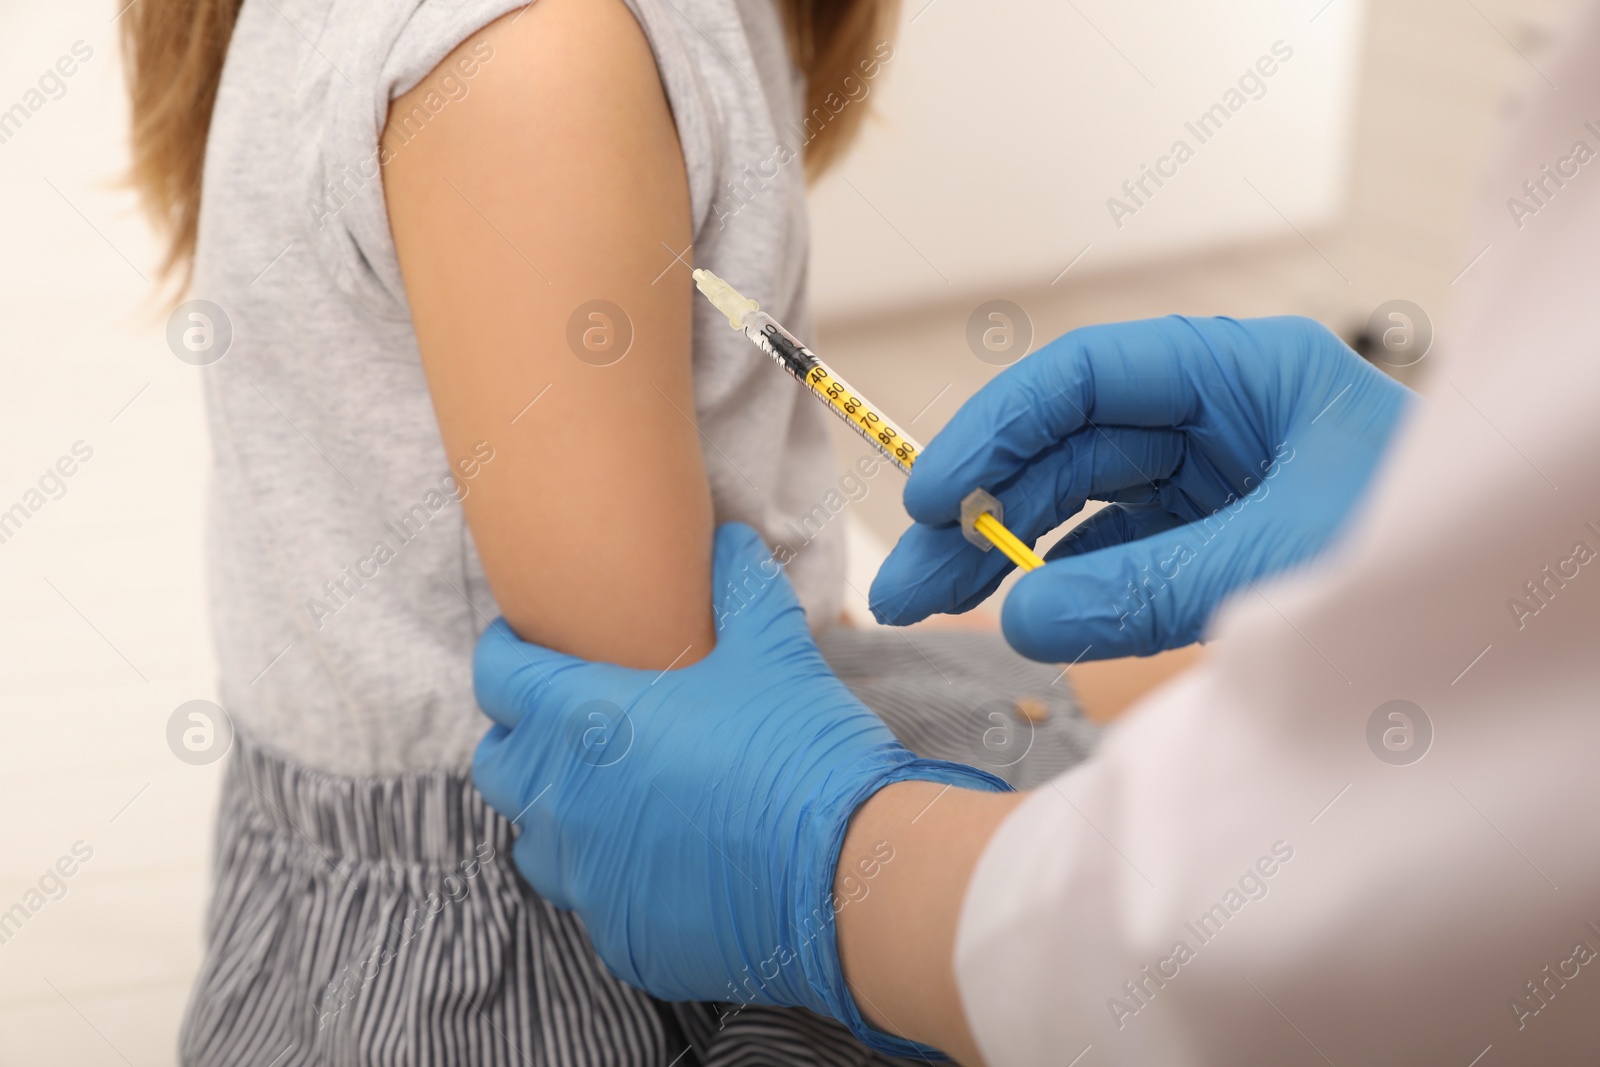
point(874, 427)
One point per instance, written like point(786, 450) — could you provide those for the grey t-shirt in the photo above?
point(347, 594)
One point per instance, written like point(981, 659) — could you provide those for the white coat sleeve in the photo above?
point(1367, 831)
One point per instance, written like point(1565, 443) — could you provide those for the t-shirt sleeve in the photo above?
point(372, 54)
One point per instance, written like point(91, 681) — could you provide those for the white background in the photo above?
point(1001, 130)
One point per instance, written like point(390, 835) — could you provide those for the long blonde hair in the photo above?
point(173, 50)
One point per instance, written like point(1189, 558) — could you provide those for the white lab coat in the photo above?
point(1358, 911)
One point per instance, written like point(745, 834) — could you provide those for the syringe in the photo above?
point(981, 514)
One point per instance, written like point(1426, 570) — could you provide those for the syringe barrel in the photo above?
point(843, 399)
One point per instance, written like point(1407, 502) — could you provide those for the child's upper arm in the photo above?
point(555, 182)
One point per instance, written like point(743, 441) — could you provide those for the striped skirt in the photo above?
point(381, 921)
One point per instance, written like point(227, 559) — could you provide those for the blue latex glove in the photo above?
point(693, 818)
point(1231, 450)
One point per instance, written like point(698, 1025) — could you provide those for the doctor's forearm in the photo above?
point(903, 872)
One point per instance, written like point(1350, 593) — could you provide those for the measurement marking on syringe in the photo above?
point(900, 448)
point(868, 423)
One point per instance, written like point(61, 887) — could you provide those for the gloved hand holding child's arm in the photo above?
point(693, 818)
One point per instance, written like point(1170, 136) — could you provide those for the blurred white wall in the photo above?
point(999, 133)
point(104, 630)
